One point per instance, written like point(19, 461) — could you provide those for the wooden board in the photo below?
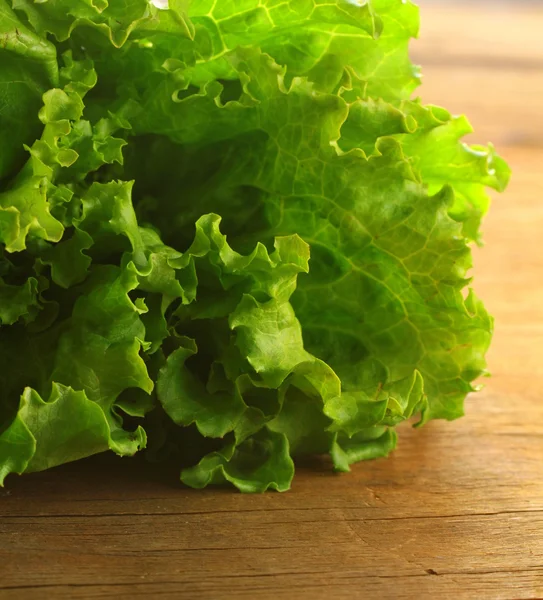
point(487, 62)
point(457, 511)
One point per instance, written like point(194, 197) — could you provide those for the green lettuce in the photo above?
point(230, 236)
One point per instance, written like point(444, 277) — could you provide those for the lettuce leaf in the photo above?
point(236, 239)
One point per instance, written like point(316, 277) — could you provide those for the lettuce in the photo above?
point(229, 235)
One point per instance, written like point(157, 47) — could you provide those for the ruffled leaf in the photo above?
point(263, 462)
point(293, 121)
point(29, 68)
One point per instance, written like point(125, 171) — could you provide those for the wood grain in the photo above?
point(486, 61)
point(457, 511)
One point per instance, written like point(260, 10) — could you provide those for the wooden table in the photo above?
point(457, 511)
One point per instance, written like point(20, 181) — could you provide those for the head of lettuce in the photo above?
point(229, 235)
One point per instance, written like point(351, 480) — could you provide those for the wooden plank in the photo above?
point(213, 549)
point(209, 553)
point(450, 587)
point(457, 511)
point(494, 35)
point(486, 61)
point(502, 105)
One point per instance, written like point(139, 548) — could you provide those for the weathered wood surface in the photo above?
point(457, 511)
